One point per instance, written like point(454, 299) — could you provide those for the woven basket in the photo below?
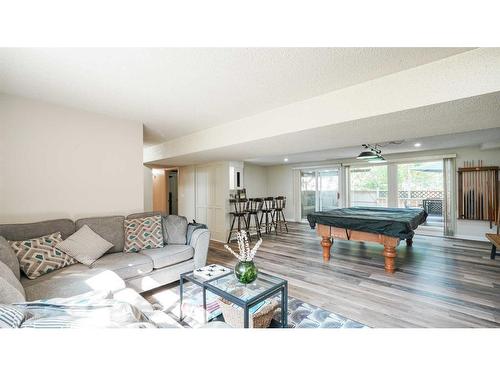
point(233, 315)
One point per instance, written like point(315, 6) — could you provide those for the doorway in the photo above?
point(172, 198)
point(165, 190)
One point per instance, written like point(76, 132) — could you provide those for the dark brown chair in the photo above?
point(279, 215)
point(239, 213)
point(267, 213)
point(254, 206)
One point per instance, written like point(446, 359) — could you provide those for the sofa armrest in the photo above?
point(199, 241)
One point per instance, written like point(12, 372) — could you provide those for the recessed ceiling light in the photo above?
point(285, 160)
point(417, 144)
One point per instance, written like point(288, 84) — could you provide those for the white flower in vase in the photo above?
point(245, 254)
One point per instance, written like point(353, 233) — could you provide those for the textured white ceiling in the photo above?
point(444, 125)
point(175, 92)
point(448, 141)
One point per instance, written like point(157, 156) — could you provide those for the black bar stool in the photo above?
point(267, 212)
point(279, 207)
point(239, 213)
point(254, 206)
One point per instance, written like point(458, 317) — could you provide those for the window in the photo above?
point(368, 186)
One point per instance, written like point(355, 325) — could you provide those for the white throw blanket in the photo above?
point(89, 310)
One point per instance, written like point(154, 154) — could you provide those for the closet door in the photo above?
point(212, 183)
point(201, 182)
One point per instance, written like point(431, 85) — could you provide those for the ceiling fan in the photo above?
point(373, 153)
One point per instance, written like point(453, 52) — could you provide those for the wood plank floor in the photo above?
point(438, 282)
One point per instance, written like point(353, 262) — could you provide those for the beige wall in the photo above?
point(148, 189)
point(60, 162)
point(255, 180)
point(280, 182)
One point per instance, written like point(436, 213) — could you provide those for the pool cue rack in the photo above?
point(477, 192)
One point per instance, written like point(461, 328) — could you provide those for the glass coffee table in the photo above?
point(229, 288)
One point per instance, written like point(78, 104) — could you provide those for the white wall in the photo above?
point(148, 189)
point(60, 162)
point(255, 180)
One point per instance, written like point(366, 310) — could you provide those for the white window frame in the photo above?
point(316, 170)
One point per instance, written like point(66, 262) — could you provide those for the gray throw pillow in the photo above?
point(191, 228)
point(175, 229)
point(85, 245)
point(11, 290)
point(8, 256)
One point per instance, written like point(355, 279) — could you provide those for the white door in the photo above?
point(211, 187)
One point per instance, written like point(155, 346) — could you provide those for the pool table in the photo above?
point(387, 226)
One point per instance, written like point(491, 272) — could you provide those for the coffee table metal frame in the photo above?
point(246, 305)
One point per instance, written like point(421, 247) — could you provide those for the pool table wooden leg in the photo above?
point(390, 255)
point(326, 244)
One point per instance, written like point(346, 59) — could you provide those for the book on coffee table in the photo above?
point(211, 271)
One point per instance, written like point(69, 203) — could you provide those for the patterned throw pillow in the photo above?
point(38, 256)
point(143, 233)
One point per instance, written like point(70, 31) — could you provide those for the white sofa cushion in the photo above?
point(168, 255)
point(126, 265)
point(70, 281)
point(85, 245)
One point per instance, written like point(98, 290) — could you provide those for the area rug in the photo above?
point(300, 314)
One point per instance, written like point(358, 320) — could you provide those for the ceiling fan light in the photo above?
point(367, 154)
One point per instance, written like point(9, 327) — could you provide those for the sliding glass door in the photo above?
point(368, 186)
point(328, 189)
point(421, 185)
point(319, 190)
point(307, 193)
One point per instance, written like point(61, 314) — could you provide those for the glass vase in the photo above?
point(245, 272)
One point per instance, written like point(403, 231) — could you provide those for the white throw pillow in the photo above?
point(85, 245)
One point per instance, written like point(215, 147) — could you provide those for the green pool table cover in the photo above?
point(394, 222)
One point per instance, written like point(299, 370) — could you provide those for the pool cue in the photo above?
point(481, 175)
point(465, 194)
point(478, 196)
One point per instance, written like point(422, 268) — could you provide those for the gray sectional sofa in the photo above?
point(186, 248)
